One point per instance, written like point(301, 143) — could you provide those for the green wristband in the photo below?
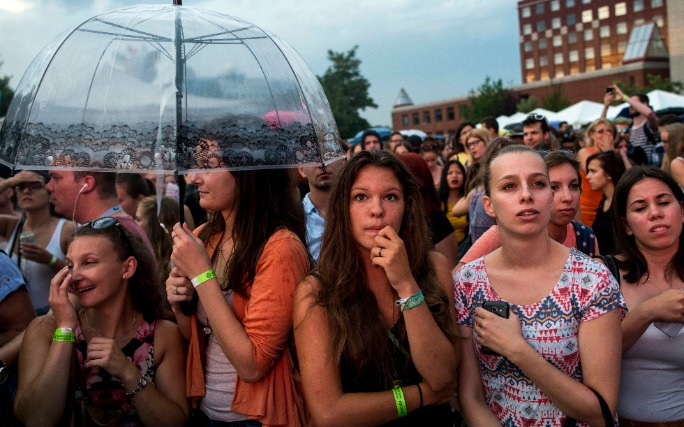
point(53, 261)
point(207, 275)
point(411, 302)
point(400, 401)
point(64, 335)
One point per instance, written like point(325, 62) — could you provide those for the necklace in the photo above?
point(646, 278)
point(116, 340)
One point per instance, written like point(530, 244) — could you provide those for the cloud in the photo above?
point(434, 49)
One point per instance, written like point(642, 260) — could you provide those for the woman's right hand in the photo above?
point(667, 306)
point(64, 312)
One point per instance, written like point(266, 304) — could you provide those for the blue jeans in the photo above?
point(199, 419)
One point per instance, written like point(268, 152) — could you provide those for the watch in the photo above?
point(4, 372)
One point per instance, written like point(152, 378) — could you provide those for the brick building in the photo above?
point(581, 45)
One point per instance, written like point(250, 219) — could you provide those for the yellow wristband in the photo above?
point(207, 275)
point(625, 98)
point(400, 401)
point(64, 335)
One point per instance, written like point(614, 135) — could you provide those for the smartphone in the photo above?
point(501, 309)
point(610, 90)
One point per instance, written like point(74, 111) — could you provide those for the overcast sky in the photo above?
point(434, 49)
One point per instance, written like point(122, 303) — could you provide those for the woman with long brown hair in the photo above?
point(374, 323)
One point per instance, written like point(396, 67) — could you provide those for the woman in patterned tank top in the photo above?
point(129, 363)
point(561, 338)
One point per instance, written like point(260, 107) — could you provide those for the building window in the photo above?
point(529, 63)
point(605, 50)
point(451, 113)
point(556, 23)
point(542, 44)
point(543, 61)
point(555, 5)
point(571, 19)
point(438, 115)
point(604, 12)
point(416, 119)
point(426, 117)
point(573, 56)
point(604, 31)
point(527, 29)
point(541, 25)
point(526, 13)
point(654, 3)
point(621, 9)
point(589, 53)
point(587, 16)
point(658, 19)
point(558, 58)
point(527, 46)
point(586, 1)
point(621, 28)
point(638, 5)
point(638, 22)
point(557, 41)
point(588, 35)
point(569, 3)
point(539, 9)
point(405, 120)
point(621, 47)
point(572, 38)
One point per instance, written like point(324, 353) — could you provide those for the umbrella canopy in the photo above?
point(168, 88)
point(382, 131)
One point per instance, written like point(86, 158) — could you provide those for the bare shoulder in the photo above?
point(167, 337)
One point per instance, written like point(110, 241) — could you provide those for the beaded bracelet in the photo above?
point(142, 382)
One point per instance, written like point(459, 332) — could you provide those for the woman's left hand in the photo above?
point(497, 333)
point(105, 353)
point(189, 253)
point(389, 253)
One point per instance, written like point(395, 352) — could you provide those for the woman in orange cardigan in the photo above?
point(244, 265)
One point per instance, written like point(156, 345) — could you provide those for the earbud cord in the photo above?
point(73, 215)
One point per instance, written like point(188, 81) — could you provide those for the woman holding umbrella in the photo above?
point(244, 265)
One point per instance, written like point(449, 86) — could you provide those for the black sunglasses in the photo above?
point(33, 186)
point(103, 224)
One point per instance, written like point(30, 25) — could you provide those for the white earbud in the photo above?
point(85, 187)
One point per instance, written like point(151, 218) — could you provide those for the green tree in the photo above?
point(654, 82)
point(526, 105)
point(556, 99)
point(490, 99)
point(6, 94)
point(347, 91)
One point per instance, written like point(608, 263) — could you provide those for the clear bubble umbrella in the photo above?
point(168, 88)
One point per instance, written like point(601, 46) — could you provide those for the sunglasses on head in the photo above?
point(105, 223)
point(536, 117)
point(567, 153)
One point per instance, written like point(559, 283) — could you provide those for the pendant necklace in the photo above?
point(116, 340)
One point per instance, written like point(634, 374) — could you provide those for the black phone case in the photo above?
point(501, 309)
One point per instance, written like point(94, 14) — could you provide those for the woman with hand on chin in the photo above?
point(243, 265)
point(131, 362)
point(561, 340)
point(373, 324)
point(648, 211)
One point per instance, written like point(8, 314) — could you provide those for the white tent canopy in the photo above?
point(582, 112)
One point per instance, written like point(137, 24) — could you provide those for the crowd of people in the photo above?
point(533, 279)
